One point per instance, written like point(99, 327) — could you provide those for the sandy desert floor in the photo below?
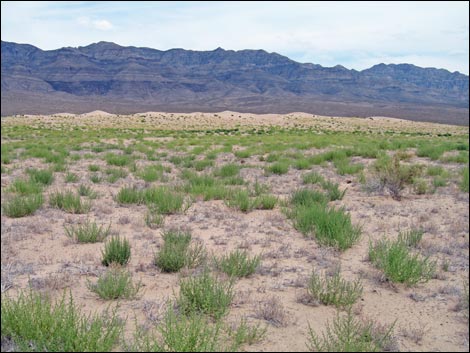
point(36, 253)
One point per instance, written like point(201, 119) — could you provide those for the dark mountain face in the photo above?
point(119, 79)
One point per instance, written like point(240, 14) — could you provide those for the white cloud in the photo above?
point(102, 25)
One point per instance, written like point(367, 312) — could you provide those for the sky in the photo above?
point(356, 35)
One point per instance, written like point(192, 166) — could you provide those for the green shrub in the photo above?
point(332, 190)
point(395, 176)
point(71, 178)
point(44, 177)
point(241, 200)
point(118, 160)
point(278, 168)
point(93, 168)
point(34, 323)
point(228, 170)
point(307, 197)
point(114, 284)
point(191, 333)
point(238, 264)
point(420, 186)
point(348, 334)
point(331, 227)
point(25, 187)
point(464, 184)
point(153, 219)
point(85, 190)
point(398, 264)
point(88, 232)
point(265, 202)
point(151, 173)
point(95, 178)
point(163, 200)
point(203, 164)
point(69, 202)
point(205, 294)
point(411, 237)
point(312, 178)
point(20, 206)
point(116, 250)
point(115, 173)
point(172, 256)
point(128, 195)
point(334, 290)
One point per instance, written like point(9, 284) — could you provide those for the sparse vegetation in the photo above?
point(348, 334)
point(21, 206)
point(334, 290)
point(115, 283)
point(68, 202)
point(34, 323)
point(205, 294)
point(238, 264)
point(88, 232)
point(116, 250)
point(399, 264)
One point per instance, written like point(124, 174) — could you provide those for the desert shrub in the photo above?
point(245, 333)
point(395, 176)
point(241, 200)
point(333, 191)
point(181, 333)
point(118, 160)
point(278, 168)
point(153, 219)
point(34, 323)
point(312, 178)
point(172, 255)
point(238, 264)
point(343, 166)
point(307, 197)
point(302, 163)
point(93, 168)
point(265, 202)
point(464, 184)
point(411, 237)
point(20, 206)
point(151, 173)
point(348, 334)
point(96, 178)
point(68, 202)
point(71, 178)
point(116, 250)
point(331, 227)
point(115, 173)
point(272, 311)
point(114, 284)
point(88, 232)
point(398, 264)
point(44, 177)
point(85, 190)
point(25, 187)
point(333, 290)
point(420, 186)
point(205, 294)
point(228, 170)
point(130, 195)
point(203, 164)
point(164, 200)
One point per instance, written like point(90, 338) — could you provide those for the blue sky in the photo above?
point(353, 34)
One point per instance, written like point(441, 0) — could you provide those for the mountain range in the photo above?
point(122, 80)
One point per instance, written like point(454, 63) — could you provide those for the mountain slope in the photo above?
point(120, 79)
